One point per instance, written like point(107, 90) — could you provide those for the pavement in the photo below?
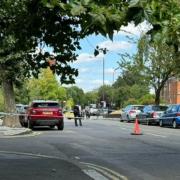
point(7, 131)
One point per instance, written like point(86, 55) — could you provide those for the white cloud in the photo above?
point(84, 70)
point(131, 29)
point(98, 82)
point(115, 45)
point(79, 81)
point(109, 71)
point(85, 57)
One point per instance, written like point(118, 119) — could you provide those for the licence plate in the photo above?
point(48, 113)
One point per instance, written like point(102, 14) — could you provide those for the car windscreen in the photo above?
point(159, 108)
point(45, 105)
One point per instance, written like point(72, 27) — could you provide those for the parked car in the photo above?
point(69, 114)
point(22, 111)
point(171, 116)
point(151, 114)
point(21, 108)
point(130, 112)
point(103, 111)
point(45, 113)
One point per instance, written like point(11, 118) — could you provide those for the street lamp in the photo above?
point(103, 77)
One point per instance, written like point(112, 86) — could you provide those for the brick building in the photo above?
point(171, 91)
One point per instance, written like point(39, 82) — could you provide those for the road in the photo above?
point(100, 149)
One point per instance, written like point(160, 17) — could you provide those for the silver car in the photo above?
point(130, 112)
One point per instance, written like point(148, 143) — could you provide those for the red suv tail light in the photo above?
point(60, 111)
point(178, 114)
point(32, 111)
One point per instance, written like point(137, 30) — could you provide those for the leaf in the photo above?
point(96, 52)
point(134, 3)
point(77, 10)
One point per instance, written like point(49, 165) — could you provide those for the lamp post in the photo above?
point(103, 77)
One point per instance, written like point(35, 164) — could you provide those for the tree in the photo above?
point(158, 62)
point(69, 104)
point(28, 24)
point(163, 16)
point(131, 85)
point(147, 99)
point(106, 93)
point(77, 94)
point(22, 93)
point(46, 87)
point(1, 101)
point(91, 97)
point(59, 25)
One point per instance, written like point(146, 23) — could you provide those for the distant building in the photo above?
point(171, 91)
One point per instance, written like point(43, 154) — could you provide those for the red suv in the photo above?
point(45, 113)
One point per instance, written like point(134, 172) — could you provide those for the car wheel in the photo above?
point(121, 120)
point(148, 123)
point(128, 120)
point(61, 125)
point(161, 123)
point(174, 124)
point(26, 125)
point(30, 126)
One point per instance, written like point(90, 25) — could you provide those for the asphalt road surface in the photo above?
point(100, 149)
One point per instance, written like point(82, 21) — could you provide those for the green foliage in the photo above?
point(164, 16)
point(22, 95)
point(77, 94)
point(99, 16)
point(157, 61)
point(106, 93)
point(131, 85)
point(91, 97)
point(46, 87)
point(59, 25)
point(147, 99)
point(131, 101)
point(69, 104)
point(1, 101)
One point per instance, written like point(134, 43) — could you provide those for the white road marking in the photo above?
point(29, 154)
point(76, 157)
point(94, 174)
point(110, 174)
point(70, 131)
point(124, 128)
point(158, 135)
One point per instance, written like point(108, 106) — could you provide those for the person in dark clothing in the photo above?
point(77, 115)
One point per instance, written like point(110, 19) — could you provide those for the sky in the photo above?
point(91, 68)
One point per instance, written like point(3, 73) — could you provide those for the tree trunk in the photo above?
point(157, 96)
point(10, 106)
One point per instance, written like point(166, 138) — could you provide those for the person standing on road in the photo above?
point(77, 115)
point(87, 112)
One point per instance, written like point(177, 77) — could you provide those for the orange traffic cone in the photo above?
point(137, 130)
